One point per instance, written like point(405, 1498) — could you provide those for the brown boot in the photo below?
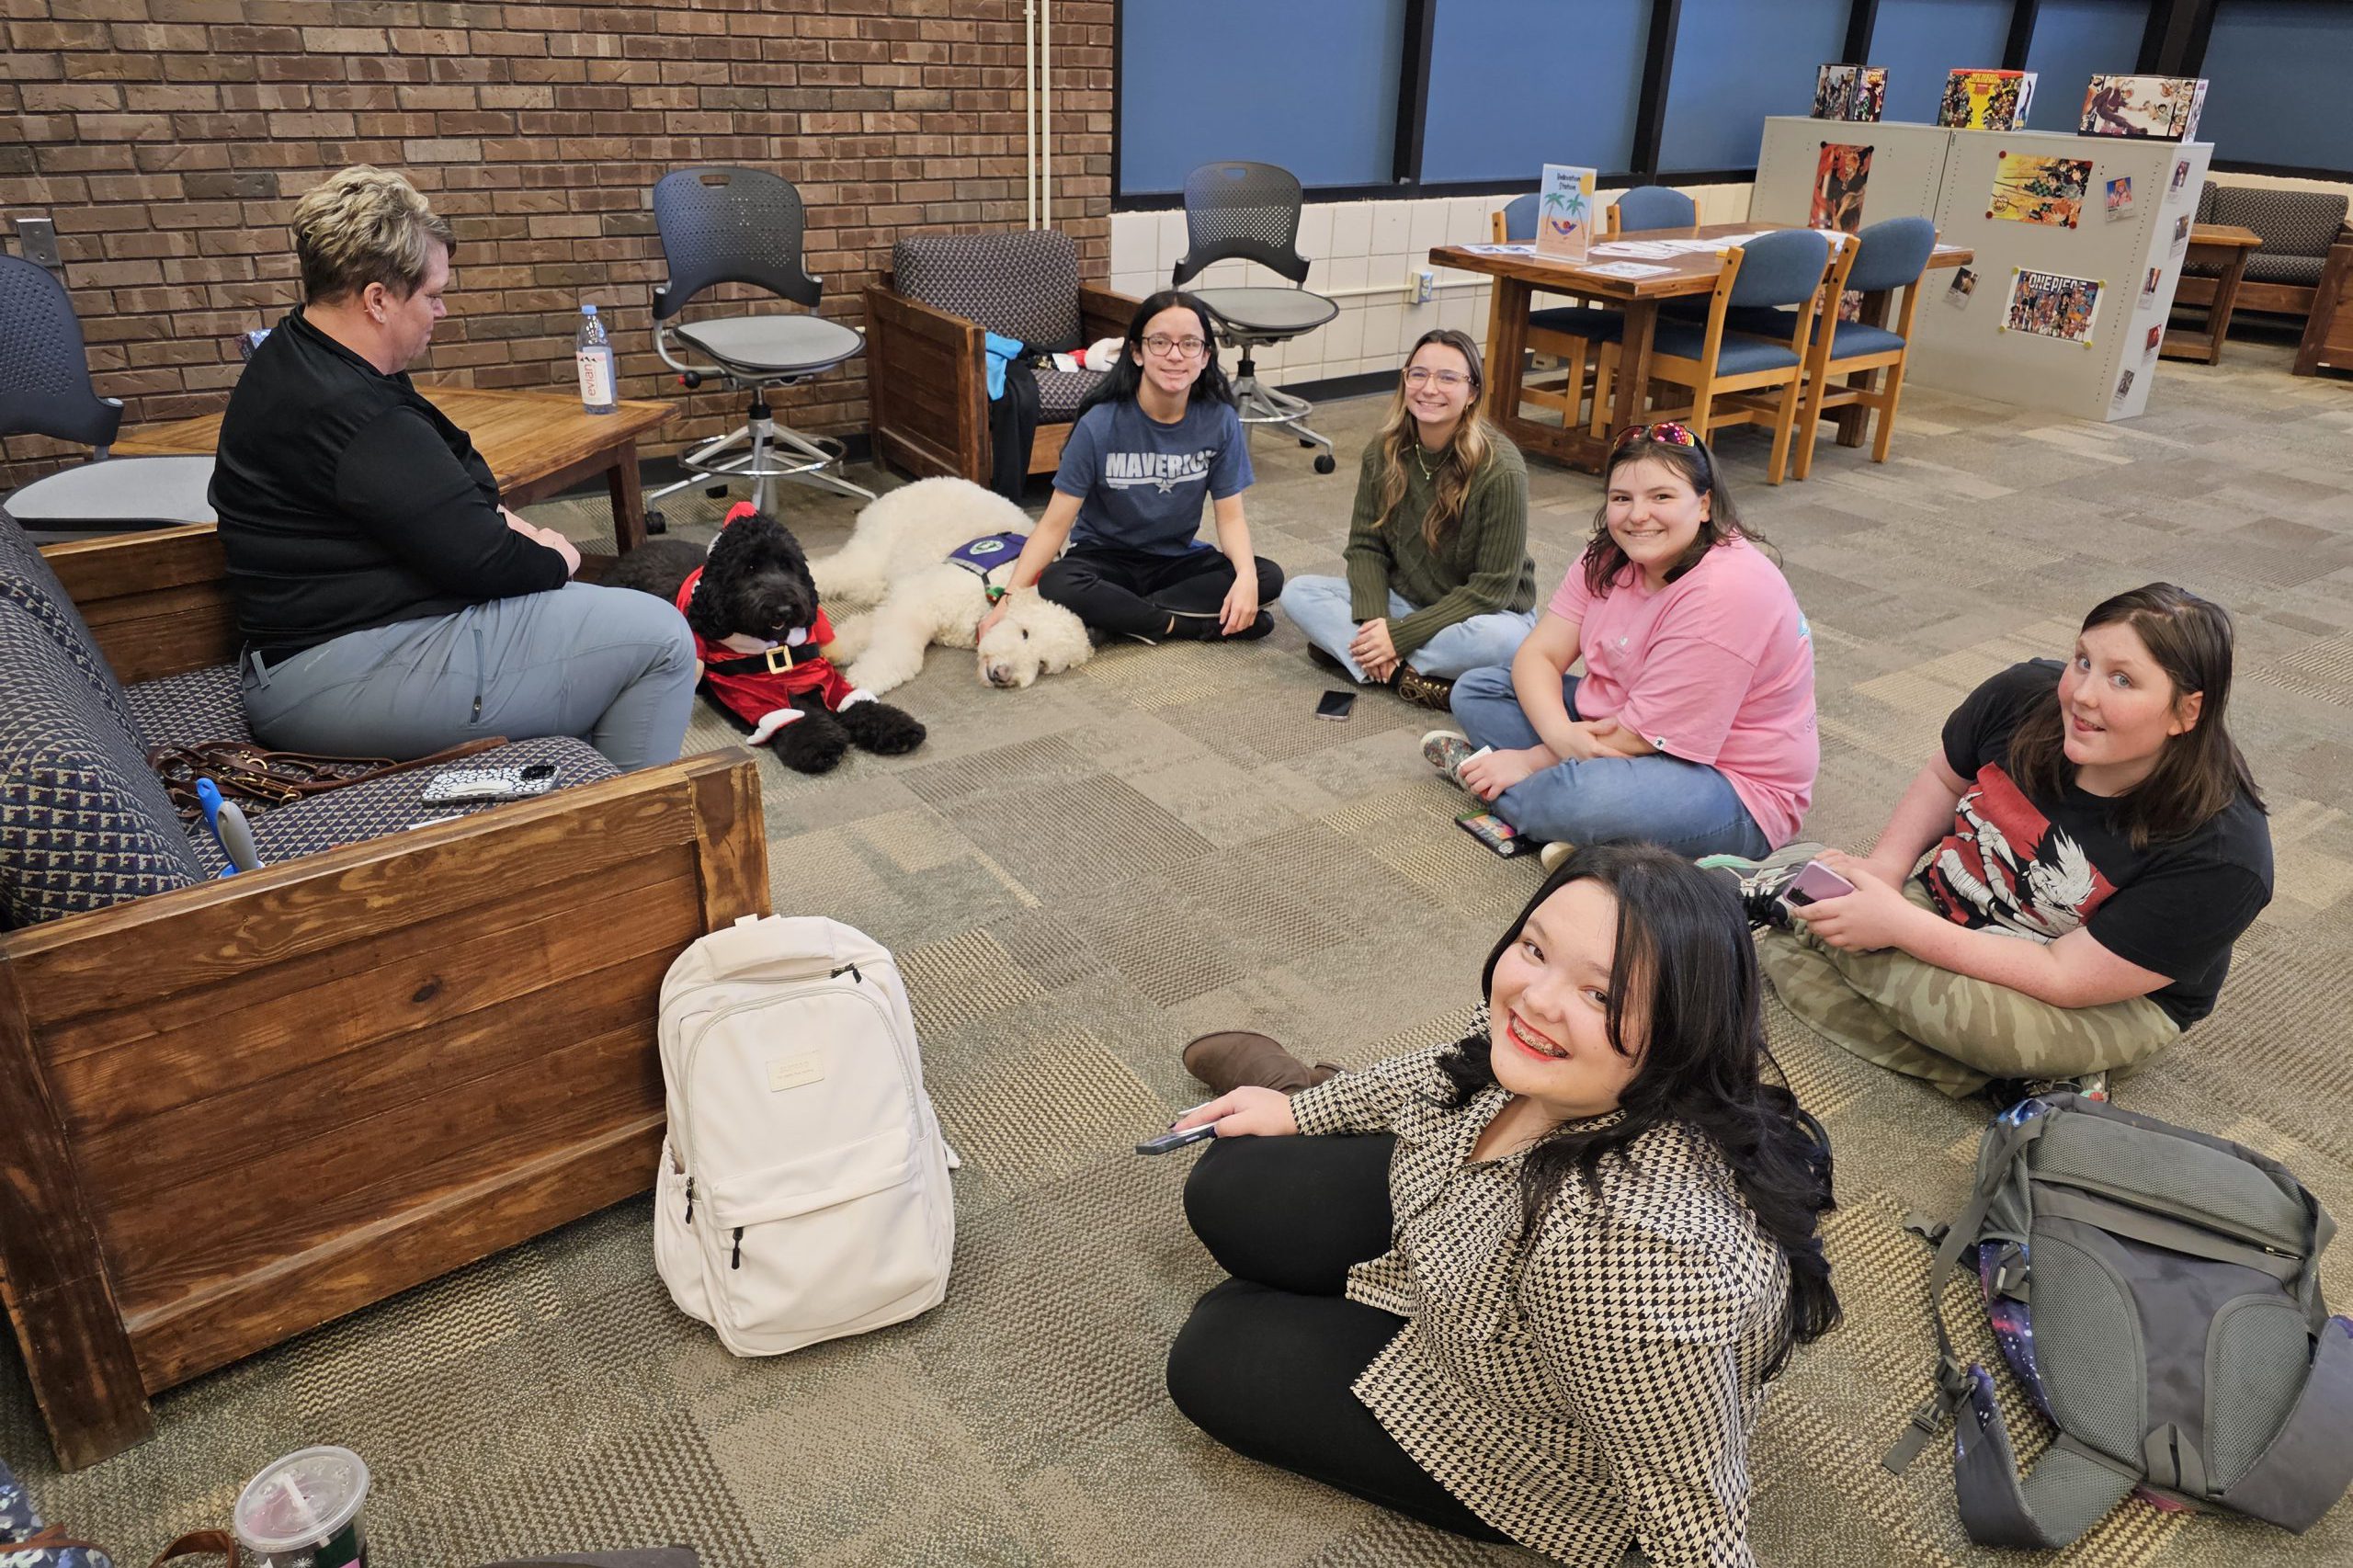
point(1234, 1057)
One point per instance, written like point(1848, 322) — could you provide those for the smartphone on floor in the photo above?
point(1336, 705)
point(1493, 832)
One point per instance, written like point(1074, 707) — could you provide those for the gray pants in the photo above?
point(608, 666)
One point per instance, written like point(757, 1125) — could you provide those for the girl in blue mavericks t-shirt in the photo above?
point(1153, 439)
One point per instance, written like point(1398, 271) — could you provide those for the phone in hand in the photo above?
point(1336, 705)
point(1813, 881)
point(1167, 1141)
point(467, 786)
point(1493, 832)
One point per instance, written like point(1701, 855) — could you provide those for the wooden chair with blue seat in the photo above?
point(1647, 206)
point(1567, 333)
point(1727, 370)
point(1870, 359)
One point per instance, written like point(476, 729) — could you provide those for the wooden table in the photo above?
point(2227, 246)
point(538, 445)
point(2328, 331)
point(1517, 278)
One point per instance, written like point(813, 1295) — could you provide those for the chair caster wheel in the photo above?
point(716, 491)
point(1325, 465)
point(655, 523)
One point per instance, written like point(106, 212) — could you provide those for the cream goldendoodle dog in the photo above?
point(897, 560)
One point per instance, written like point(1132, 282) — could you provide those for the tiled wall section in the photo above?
point(1360, 253)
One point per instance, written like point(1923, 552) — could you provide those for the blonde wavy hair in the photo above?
point(365, 226)
point(1465, 455)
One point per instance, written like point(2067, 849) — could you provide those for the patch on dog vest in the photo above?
point(985, 555)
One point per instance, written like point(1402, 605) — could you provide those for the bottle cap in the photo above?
point(587, 310)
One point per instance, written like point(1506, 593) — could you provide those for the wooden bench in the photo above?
point(240, 1109)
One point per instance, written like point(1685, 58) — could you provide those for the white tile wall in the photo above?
point(1360, 254)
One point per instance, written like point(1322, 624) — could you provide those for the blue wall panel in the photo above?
point(2278, 74)
point(2074, 42)
point(1519, 83)
point(1735, 62)
point(1311, 85)
point(1920, 40)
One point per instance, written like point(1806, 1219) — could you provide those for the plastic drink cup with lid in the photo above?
point(303, 1512)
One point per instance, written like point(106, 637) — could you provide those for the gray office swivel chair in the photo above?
point(1251, 211)
point(729, 225)
point(45, 391)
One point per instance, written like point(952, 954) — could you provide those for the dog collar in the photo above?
point(994, 592)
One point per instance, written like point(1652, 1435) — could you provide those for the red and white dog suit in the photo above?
point(756, 679)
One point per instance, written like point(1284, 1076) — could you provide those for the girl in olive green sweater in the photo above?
point(1438, 578)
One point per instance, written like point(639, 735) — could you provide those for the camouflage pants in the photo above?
point(1888, 1008)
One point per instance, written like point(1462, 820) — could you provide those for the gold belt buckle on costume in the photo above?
point(785, 649)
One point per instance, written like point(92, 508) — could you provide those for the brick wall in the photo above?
point(168, 139)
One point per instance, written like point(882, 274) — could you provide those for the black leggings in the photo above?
point(1265, 1362)
point(1131, 594)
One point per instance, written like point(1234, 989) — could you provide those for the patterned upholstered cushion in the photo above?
point(1061, 392)
point(382, 806)
point(2205, 203)
point(1021, 285)
point(82, 822)
point(2301, 271)
point(203, 705)
point(2292, 222)
point(26, 579)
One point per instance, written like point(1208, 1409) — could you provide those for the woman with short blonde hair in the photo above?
point(367, 225)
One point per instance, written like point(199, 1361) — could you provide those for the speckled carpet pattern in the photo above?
point(1080, 877)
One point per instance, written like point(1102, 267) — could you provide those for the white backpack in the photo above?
point(804, 1192)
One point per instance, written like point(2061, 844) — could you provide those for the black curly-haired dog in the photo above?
point(761, 637)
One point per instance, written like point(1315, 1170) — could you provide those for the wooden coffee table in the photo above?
point(2227, 246)
point(538, 445)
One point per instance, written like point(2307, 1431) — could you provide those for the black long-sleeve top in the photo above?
point(346, 501)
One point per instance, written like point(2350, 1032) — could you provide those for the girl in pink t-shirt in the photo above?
point(1693, 724)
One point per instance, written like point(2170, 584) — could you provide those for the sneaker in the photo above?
point(2006, 1093)
point(1425, 692)
point(1447, 750)
point(1759, 884)
point(1317, 655)
point(1232, 1058)
point(1552, 853)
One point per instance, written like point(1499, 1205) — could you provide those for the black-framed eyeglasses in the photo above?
point(1160, 343)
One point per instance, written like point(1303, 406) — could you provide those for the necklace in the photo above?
point(1420, 462)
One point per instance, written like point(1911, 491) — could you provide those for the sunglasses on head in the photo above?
point(1668, 433)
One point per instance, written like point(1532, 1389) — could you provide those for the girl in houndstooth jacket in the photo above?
point(1530, 1285)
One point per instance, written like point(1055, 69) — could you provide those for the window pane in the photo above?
point(2277, 74)
point(1500, 106)
point(2074, 42)
point(1736, 61)
point(1311, 85)
point(1920, 40)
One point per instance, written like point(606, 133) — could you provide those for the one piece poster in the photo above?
point(2050, 304)
point(2120, 197)
point(1986, 100)
point(2031, 188)
point(1840, 175)
point(1963, 288)
point(2165, 108)
point(1565, 211)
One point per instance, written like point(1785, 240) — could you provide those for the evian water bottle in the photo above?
point(594, 352)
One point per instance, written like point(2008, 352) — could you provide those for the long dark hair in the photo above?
point(1683, 941)
point(1466, 453)
point(1604, 560)
point(2201, 771)
point(1126, 378)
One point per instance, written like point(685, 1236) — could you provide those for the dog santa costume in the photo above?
point(757, 678)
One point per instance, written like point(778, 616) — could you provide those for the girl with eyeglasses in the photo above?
point(2056, 896)
point(1156, 437)
point(1693, 723)
point(1438, 576)
point(1529, 1284)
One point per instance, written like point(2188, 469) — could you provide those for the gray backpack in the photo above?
point(2157, 1292)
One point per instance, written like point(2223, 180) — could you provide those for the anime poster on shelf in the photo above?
point(2149, 285)
point(2050, 304)
point(1840, 175)
point(2180, 175)
point(2120, 197)
point(2031, 188)
point(2123, 386)
point(1850, 92)
point(2156, 336)
point(1963, 288)
point(2162, 108)
point(1986, 100)
point(1565, 211)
